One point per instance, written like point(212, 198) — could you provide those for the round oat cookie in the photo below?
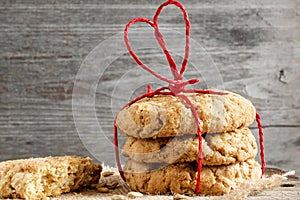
point(181, 177)
point(168, 116)
point(218, 148)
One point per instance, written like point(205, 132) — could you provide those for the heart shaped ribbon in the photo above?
point(176, 87)
point(159, 37)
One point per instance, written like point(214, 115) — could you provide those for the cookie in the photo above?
point(181, 177)
point(168, 116)
point(218, 148)
point(37, 178)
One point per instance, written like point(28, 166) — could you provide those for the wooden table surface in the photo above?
point(255, 46)
point(289, 190)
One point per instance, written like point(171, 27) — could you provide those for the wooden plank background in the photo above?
point(254, 44)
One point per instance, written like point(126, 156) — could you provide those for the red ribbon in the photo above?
point(176, 87)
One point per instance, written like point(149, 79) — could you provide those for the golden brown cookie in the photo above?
point(218, 148)
point(167, 116)
point(181, 177)
point(37, 178)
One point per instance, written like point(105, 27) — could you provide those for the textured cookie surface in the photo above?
point(218, 148)
point(167, 116)
point(37, 178)
point(181, 178)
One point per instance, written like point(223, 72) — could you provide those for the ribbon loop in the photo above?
point(187, 33)
point(159, 37)
point(136, 58)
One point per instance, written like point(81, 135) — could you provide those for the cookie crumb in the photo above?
point(102, 182)
point(103, 189)
point(107, 173)
point(118, 197)
point(94, 185)
point(134, 195)
point(179, 197)
point(112, 184)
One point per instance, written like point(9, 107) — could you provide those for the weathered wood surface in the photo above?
point(254, 44)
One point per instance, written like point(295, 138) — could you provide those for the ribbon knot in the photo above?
point(178, 86)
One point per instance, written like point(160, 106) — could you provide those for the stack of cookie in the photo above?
point(162, 144)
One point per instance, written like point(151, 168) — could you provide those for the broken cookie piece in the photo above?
point(37, 178)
